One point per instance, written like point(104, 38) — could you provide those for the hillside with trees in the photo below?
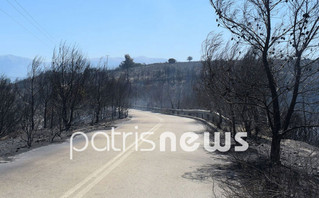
point(164, 85)
point(50, 103)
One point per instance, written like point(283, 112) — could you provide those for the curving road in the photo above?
point(49, 172)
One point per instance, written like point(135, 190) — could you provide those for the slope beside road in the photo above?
point(49, 172)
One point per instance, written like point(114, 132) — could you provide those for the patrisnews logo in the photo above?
point(188, 141)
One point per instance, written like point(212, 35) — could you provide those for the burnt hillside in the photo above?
point(169, 85)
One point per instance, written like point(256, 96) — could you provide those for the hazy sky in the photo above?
point(152, 28)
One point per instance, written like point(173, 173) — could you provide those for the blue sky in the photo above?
point(152, 28)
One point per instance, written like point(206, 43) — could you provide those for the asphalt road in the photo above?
point(49, 172)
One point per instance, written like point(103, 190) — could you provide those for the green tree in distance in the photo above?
point(171, 61)
point(127, 63)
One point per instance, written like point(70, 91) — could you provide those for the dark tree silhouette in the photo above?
point(127, 63)
point(257, 24)
point(69, 69)
point(8, 108)
point(171, 61)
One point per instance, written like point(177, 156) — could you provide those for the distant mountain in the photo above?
point(116, 61)
point(147, 60)
point(14, 66)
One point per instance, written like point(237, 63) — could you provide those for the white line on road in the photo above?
point(99, 174)
point(110, 168)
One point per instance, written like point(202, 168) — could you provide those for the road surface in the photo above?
point(49, 172)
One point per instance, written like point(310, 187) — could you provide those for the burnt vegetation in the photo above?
point(64, 95)
point(263, 80)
